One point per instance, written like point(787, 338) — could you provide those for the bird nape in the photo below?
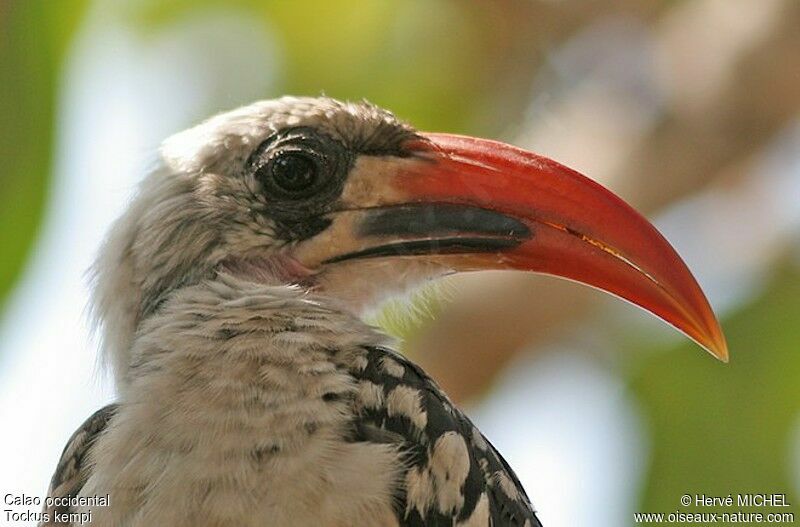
point(228, 297)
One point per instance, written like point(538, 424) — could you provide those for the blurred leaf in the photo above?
point(34, 37)
point(718, 429)
point(440, 64)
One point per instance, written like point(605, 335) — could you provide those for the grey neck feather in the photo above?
point(157, 246)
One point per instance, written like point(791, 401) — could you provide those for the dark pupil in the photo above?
point(294, 172)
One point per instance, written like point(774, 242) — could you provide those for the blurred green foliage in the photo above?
point(719, 429)
point(34, 39)
point(427, 60)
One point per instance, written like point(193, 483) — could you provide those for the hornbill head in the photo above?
point(344, 199)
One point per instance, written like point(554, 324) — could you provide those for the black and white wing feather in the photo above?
point(72, 470)
point(453, 475)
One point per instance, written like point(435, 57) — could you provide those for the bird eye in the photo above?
point(293, 172)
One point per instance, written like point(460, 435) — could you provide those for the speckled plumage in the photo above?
point(248, 396)
point(240, 386)
point(453, 472)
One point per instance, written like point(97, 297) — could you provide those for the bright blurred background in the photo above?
point(689, 109)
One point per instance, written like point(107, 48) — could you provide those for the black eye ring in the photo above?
point(294, 172)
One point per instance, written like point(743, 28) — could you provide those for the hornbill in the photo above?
point(228, 296)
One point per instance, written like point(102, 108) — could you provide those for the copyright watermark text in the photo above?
point(729, 509)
